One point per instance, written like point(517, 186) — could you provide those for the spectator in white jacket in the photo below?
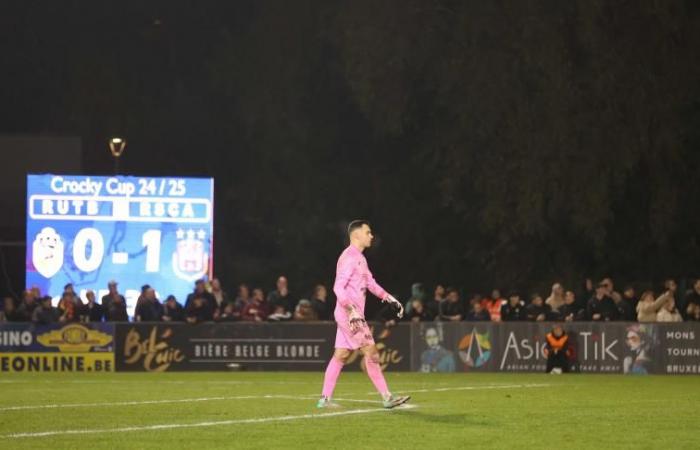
point(647, 308)
point(669, 312)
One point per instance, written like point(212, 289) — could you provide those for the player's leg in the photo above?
point(374, 371)
point(347, 339)
point(335, 366)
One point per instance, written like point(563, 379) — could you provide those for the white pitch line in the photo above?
point(170, 426)
point(180, 400)
point(253, 397)
point(144, 402)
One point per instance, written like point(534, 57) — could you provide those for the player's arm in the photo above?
point(375, 288)
point(379, 291)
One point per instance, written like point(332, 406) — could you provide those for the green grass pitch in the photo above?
point(277, 410)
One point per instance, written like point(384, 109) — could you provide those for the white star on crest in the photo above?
point(180, 233)
point(190, 234)
point(201, 235)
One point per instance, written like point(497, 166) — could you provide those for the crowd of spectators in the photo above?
point(210, 302)
point(595, 302)
point(207, 302)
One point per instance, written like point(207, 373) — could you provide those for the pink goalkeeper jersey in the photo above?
point(352, 279)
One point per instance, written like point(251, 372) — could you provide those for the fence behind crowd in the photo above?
point(629, 348)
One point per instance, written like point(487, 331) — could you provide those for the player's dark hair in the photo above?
point(356, 224)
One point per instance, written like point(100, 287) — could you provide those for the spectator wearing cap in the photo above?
point(91, 311)
point(601, 306)
point(173, 310)
point(115, 308)
point(557, 349)
point(512, 310)
point(417, 291)
point(45, 313)
point(111, 296)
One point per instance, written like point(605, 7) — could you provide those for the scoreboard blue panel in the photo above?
point(88, 230)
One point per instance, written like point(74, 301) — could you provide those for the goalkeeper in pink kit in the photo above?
point(353, 278)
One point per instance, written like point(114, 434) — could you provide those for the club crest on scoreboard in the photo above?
point(47, 252)
point(190, 259)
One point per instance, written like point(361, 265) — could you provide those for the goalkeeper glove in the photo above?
point(355, 319)
point(396, 304)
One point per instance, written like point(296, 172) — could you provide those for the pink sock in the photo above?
point(332, 374)
point(377, 377)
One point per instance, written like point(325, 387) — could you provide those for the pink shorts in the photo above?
point(344, 338)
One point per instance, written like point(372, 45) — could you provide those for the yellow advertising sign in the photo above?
point(57, 362)
point(74, 338)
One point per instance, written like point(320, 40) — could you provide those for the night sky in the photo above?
point(491, 144)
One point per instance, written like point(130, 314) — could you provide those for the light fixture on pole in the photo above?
point(117, 146)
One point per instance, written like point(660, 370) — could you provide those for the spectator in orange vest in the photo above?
point(557, 350)
point(493, 305)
